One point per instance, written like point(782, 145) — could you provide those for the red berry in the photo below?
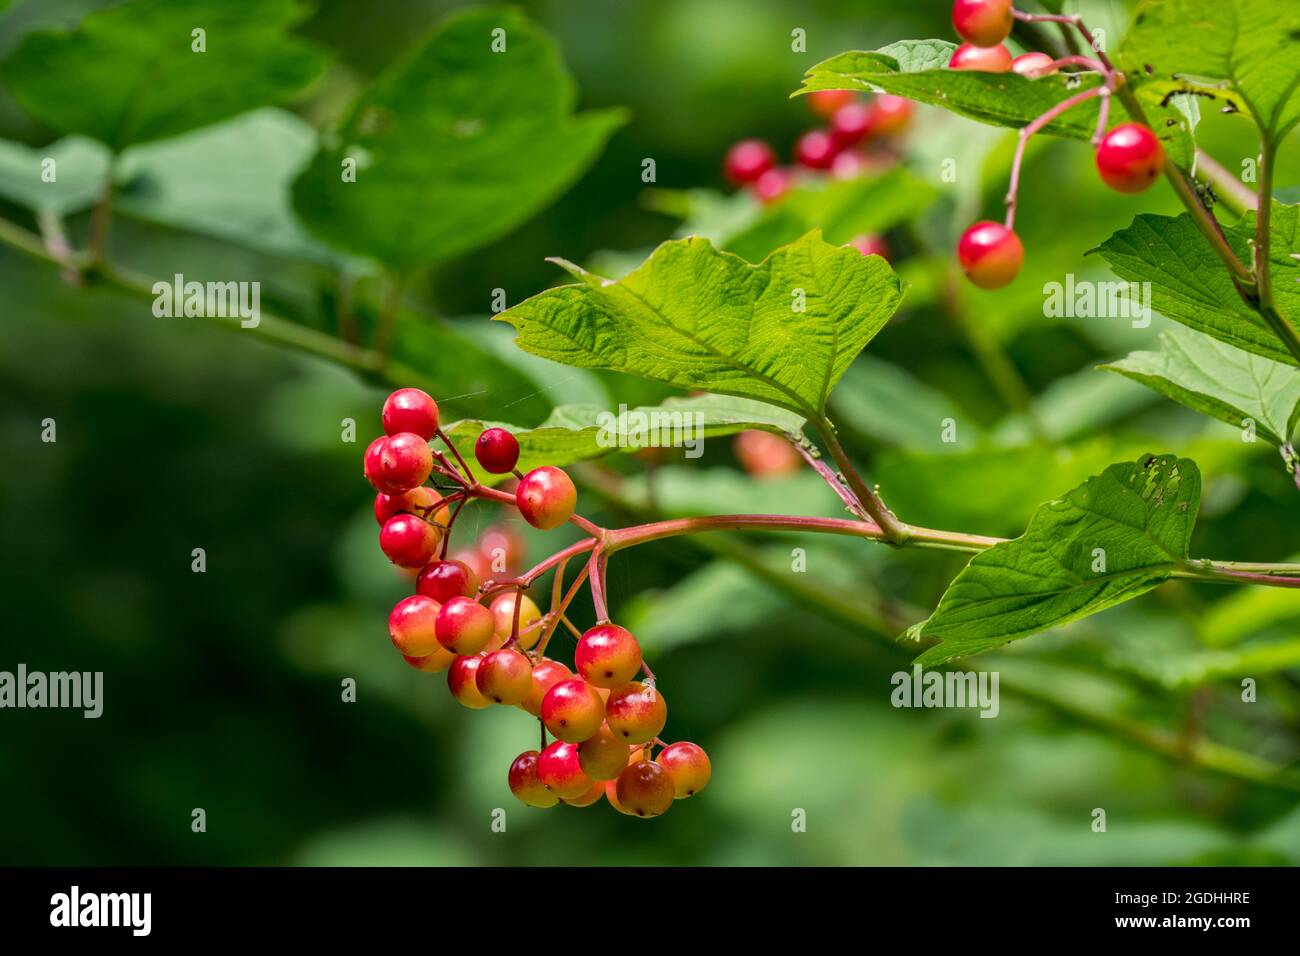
point(405, 461)
point(433, 663)
point(644, 789)
point(572, 710)
point(688, 767)
point(505, 677)
point(560, 771)
point(497, 451)
point(773, 184)
point(815, 150)
point(464, 626)
point(1033, 65)
point(410, 625)
point(890, 114)
point(990, 254)
point(527, 785)
point(852, 123)
point(408, 541)
point(372, 466)
point(503, 614)
point(603, 755)
point(546, 497)
point(444, 580)
point(747, 160)
point(982, 22)
point(411, 410)
point(636, 712)
point(824, 103)
point(984, 59)
point(607, 656)
point(850, 164)
point(463, 683)
point(594, 793)
point(765, 455)
point(1129, 158)
point(546, 674)
point(869, 244)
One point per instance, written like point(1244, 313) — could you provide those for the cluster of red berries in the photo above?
point(858, 138)
point(1129, 157)
point(606, 723)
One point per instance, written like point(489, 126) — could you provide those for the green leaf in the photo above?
point(697, 318)
point(580, 432)
point(454, 146)
point(918, 69)
point(231, 181)
point(128, 74)
point(841, 209)
point(78, 165)
point(1249, 43)
point(1138, 516)
point(1189, 284)
point(1220, 381)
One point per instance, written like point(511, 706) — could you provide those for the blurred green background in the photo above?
point(222, 689)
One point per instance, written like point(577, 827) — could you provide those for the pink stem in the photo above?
point(1029, 131)
point(828, 476)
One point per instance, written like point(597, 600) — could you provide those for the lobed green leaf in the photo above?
point(782, 331)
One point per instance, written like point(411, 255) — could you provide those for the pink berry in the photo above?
point(410, 625)
point(411, 410)
point(1129, 158)
point(1033, 65)
point(890, 114)
point(462, 681)
point(505, 677)
point(464, 626)
point(773, 184)
point(607, 656)
point(572, 710)
point(815, 149)
point(982, 22)
point(824, 103)
point(644, 789)
point(372, 467)
point(983, 59)
point(560, 771)
point(527, 785)
point(852, 123)
point(546, 497)
point(870, 244)
point(636, 712)
point(990, 254)
point(688, 767)
point(747, 160)
point(405, 461)
point(546, 674)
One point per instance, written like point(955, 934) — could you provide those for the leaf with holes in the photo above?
point(1116, 536)
point(781, 332)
